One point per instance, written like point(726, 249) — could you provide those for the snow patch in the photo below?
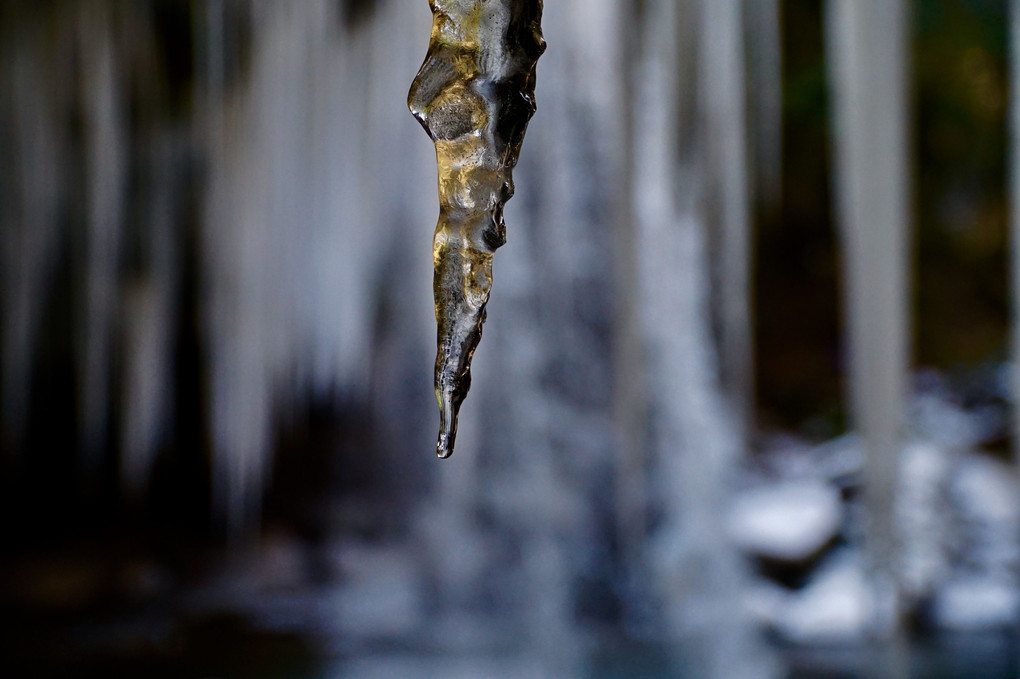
point(791, 521)
point(976, 603)
point(836, 606)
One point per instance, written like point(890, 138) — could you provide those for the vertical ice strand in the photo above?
point(474, 95)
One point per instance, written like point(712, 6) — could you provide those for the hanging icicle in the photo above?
point(30, 233)
point(105, 181)
point(474, 95)
point(764, 33)
point(1014, 196)
point(867, 44)
point(723, 108)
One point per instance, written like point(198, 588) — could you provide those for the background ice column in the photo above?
point(867, 43)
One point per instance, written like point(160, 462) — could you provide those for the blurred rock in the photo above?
point(976, 602)
point(834, 607)
point(792, 521)
point(937, 416)
point(923, 512)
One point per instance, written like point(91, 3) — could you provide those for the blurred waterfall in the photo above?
point(629, 407)
point(217, 327)
point(299, 219)
point(867, 48)
point(696, 446)
point(229, 204)
point(301, 216)
point(105, 174)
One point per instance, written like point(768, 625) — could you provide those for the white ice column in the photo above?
point(30, 235)
point(723, 106)
point(1014, 196)
point(867, 50)
point(763, 29)
point(698, 571)
point(105, 180)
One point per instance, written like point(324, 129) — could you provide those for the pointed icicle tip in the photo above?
point(448, 408)
point(444, 446)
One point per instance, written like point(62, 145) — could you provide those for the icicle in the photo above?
point(150, 321)
point(474, 95)
point(765, 72)
point(1014, 190)
point(1014, 236)
point(723, 107)
point(28, 246)
point(236, 208)
point(629, 406)
point(867, 47)
point(105, 180)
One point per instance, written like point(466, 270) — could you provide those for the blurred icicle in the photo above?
point(30, 234)
point(1014, 197)
point(151, 278)
point(867, 49)
point(298, 237)
point(145, 397)
point(554, 395)
point(341, 253)
point(721, 60)
point(700, 575)
point(105, 184)
point(765, 77)
point(230, 485)
point(150, 319)
point(298, 221)
point(237, 274)
point(255, 131)
point(1013, 174)
point(629, 406)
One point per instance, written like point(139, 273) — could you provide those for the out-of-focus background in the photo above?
point(743, 405)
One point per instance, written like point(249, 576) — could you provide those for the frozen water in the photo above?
point(474, 95)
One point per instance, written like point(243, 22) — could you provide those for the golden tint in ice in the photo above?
point(474, 95)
